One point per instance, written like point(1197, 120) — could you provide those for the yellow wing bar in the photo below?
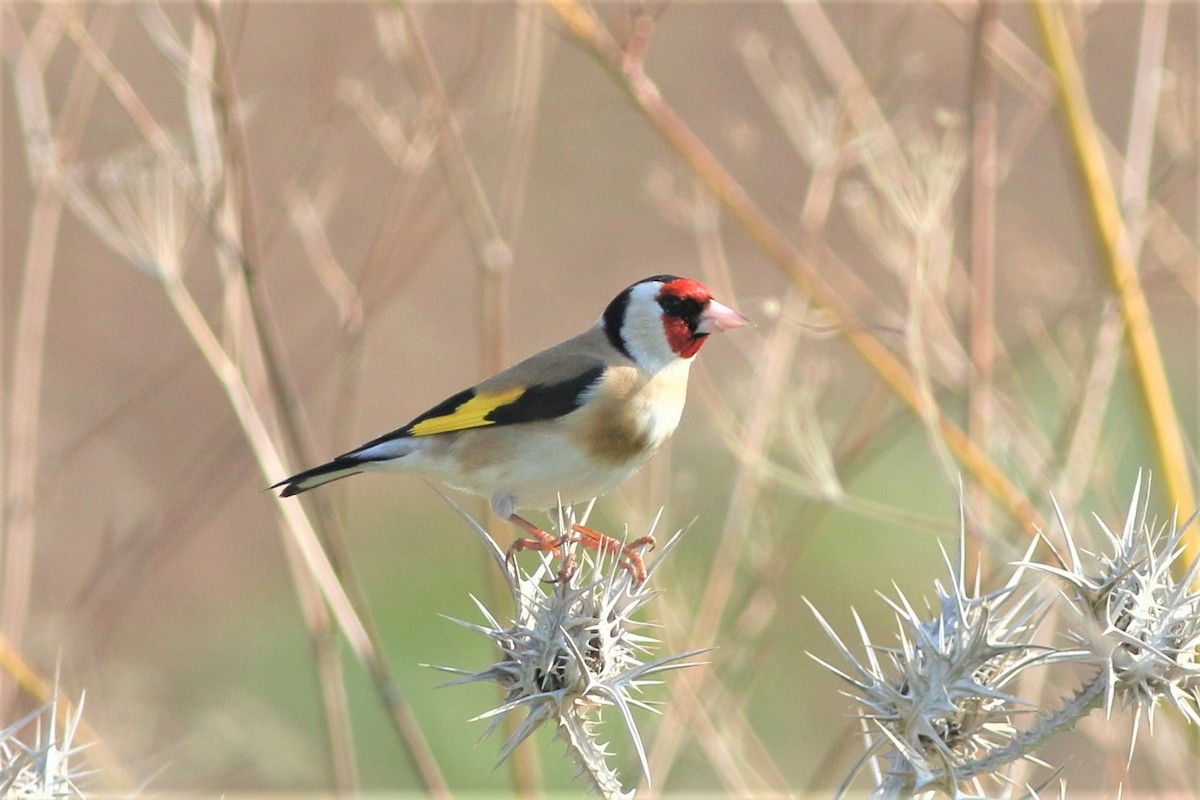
point(471, 414)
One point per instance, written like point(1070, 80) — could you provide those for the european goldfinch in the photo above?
point(565, 425)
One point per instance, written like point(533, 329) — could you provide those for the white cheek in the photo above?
point(646, 340)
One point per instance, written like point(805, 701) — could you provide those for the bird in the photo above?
point(565, 425)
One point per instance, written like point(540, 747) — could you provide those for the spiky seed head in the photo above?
point(938, 708)
point(38, 759)
point(572, 649)
point(941, 698)
point(1141, 619)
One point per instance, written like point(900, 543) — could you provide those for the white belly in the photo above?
point(571, 459)
point(543, 472)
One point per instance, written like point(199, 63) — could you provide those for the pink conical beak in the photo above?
point(717, 317)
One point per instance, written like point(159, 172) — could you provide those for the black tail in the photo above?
point(312, 478)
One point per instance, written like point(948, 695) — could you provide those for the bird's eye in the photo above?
point(671, 305)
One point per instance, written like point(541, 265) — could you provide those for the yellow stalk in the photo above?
point(1102, 199)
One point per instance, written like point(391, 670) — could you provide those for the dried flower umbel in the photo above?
point(572, 649)
point(940, 710)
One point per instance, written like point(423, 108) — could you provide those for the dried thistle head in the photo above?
point(39, 761)
point(572, 649)
point(939, 709)
point(1141, 622)
point(939, 705)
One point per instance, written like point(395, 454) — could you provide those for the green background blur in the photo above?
point(160, 584)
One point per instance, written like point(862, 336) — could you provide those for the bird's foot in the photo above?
point(630, 554)
point(541, 542)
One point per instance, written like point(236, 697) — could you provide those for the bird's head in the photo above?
point(661, 319)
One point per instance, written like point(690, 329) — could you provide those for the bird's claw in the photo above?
point(566, 571)
point(629, 555)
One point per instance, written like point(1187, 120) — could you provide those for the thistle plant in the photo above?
point(941, 711)
point(39, 761)
point(572, 649)
point(1138, 622)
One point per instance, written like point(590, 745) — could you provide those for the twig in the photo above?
point(303, 536)
point(270, 462)
point(980, 395)
point(1134, 202)
point(28, 358)
point(1084, 439)
point(528, 74)
point(233, 199)
point(47, 153)
point(490, 248)
point(265, 356)
point(1143, 122)
point(490, 245)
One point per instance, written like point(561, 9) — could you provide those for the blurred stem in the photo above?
point(916, 347)
point(980, 399)
point(1079, 455)
point(493, 255)
point(27, 363)
point(490, 249)
point(270, 461)
point(47, 150)
point(1106, 215)
point(300, 534)
point(238, 192)
point(1085, 435)
point(349, 305)
point(770, 386)
point(17, 525)
point(645, 95)
point(1143, 122)
point(772, 379)
point(528, 72)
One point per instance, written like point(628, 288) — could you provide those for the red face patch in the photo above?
point(683, 342)
point(680, 326)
